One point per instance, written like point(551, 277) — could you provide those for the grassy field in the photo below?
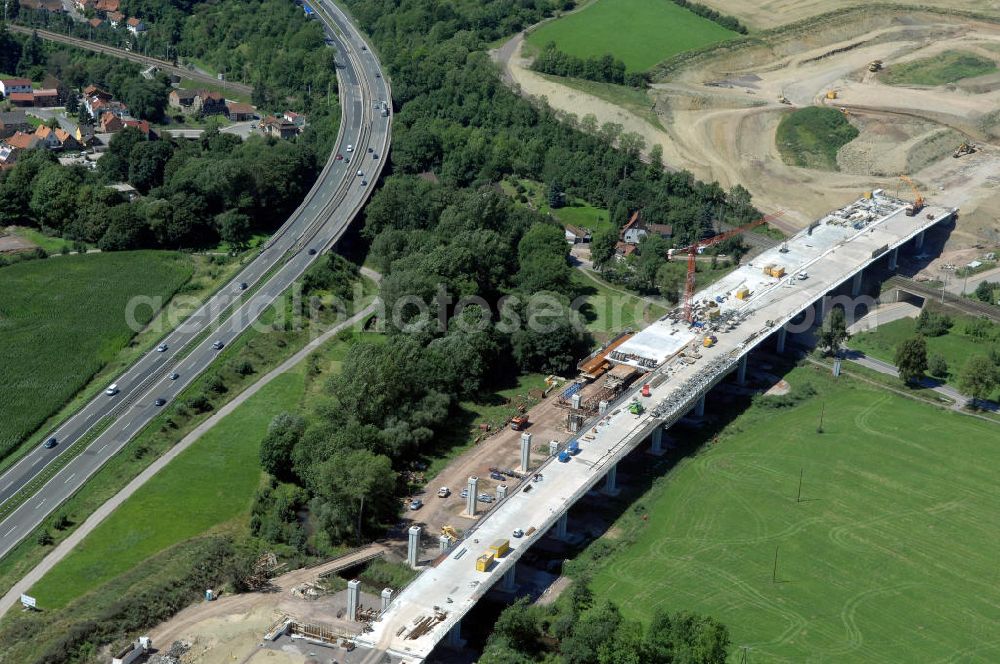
point(956, 346)
point(576, 212)
point(947, 67)
point(810, 137)
point(63, 319)
point(609, 311)
point(206, 486)
point(52, 245)
point(889, 556)
point(640, 33)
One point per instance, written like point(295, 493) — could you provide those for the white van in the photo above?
point(112, 390)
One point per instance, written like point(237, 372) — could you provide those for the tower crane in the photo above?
point(693, 249)
point(918, 201)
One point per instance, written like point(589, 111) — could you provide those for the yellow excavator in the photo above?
point(875, 65)
point(450, 533)
point(964, 149)
point(918, 200)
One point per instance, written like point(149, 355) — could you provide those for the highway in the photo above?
point(321, 219)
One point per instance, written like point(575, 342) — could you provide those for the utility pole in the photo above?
point(798, 497)
point(822, 412)
point(774, 572)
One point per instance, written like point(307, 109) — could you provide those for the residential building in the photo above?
point(56, 139)
point(84, 5)
point(635, 230)
point(126, 190)
point(212, 103)
point(23, 140)
point(135, 26)
point(99, 107)
point(576, 235)
point(296, 119)
point(115, 19)
point(13, 122)
point(107, 6)
point(142, 126)
point(51, 6)
point(9, 86)
point(278, 127)
point(110, 123)
point(8, 156)
point(95, 22)
point(623, 250)
point(46, 98)
point(85, 135)
point(22, 99)
point(240, 112)
point(183, 100)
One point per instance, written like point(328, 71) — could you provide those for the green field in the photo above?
point(889, 557)
point(63, 319)
point(810, 137)
point(640, 33)
point(948, 67)
point(956, 346)
point(576, 211)
point(207, 485)
point(609, 310)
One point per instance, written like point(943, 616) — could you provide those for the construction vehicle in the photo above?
point(573, 448)
point(918, 200)
point(844, 110)
point(636, 408)
point(450, 533)
point(742, 293)
point(773, 270)
point(782, 99)
point(484, 562)
point(964, 149)
point(875, 65)
point(645, 390)
point(519, 423)
point(696, 248)
point(564, 457)
point(831, 94)
point(709, 341)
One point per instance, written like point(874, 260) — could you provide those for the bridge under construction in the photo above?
point(785, 288)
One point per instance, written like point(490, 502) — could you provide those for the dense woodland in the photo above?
point(606, 69)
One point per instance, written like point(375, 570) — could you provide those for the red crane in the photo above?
point(692, 252)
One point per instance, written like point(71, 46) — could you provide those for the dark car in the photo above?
point(50, 443)
point(243, 285)
point(312, 252)
point(374, 155)
point(159, 402)
point(371, 149)
point(218, 344)
point(364, 182)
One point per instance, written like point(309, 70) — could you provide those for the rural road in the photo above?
point(95, 519)
point(322, 218)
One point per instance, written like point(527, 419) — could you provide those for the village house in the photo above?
point(22, 140)
point(95, 22)
point(107, 7)
point(635, 230)
point(13, 122)
point(212, 103)
point(240, 112)
point(142, 126)
point(278, 127)
point(9, 86)
point(8, 156)
point(84, 135)
point(296, 119)
point(83, 6)
point(56, 139)
point(115, 19)
point(135, 26)
point(183, 100)
point(576, 235)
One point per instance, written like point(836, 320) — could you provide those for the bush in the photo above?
point(199, 404)
point(45, 538)
point(933, 323)
point(937, 366)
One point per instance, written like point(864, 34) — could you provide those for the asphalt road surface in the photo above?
point(318, 223)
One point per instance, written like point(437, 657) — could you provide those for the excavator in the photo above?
point(964, 149)
point(450, 533)
point(918, 200)
point(875, 65)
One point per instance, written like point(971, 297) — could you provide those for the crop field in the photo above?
point(640, 33)
point(810, 137)
point(948, 67)
point(207, 485)
point(889, 556)
point(62, 319)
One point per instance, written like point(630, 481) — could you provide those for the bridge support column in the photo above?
point(561, 526)
point(894, 259)
point(470, 500)
point(741, 371)
point(413, 546)
point(918, 242)
point(353, 598)
point(657, 442)
point(444, 543)
point(856, 284)
point(509, 584)
point(525, 452)
point(699, 408)
point(782, 338)
point(455, 636)
point(501, 491)
point(386, 598)
point(611, 481)
point(821, 310)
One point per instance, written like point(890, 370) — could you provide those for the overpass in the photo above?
point(34, 486)
point(830, 256)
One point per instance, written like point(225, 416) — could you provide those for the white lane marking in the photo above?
point(9, 531)
point(69, 478)
point(9, 485)
point(102, 448)
point(127, 425)
point(41, 503)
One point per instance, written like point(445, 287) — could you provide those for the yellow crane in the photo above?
point(918, 200)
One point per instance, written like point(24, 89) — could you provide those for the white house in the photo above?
point(8, 86)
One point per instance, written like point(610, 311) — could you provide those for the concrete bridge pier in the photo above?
point(699, 408)
point(856, 284)
point(525, 452)
point(413, 546)
point(611, 481)
point(821, 305)
point(657, 442)
point(444, 543)
point(741, 371)
point(454, 638)
point(470, 500)
point(561, 525)
point(509, 584)
point(894, 259)
point(782, 338)
point(353, 598)
point(386, 598)
point(918, 242)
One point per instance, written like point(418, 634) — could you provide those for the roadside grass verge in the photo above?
point(63, 320)
point(209, 272)
point(810, 137)
point(948, 67)
point(207, 485)
point(640, 33)
point(896, 504)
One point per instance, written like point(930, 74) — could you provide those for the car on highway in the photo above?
point(218, 344)
point(371, 149)
point(350, 148)
point(518, 532)
point(364, 48)
point(374, 155)
point(378, 75)
point(360, 174)
point(312, 252)
point(112, 390)
point(416, 504)
point(174, 376)
point(161, 348)
point(159, 402)
point(243, 285)
point(50, 443)
point(340, 157)
point(364, 183)
point(444, 492)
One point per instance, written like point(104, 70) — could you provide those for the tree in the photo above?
point(986, 291)
point(283, 433)
point(602, 247)
point(937, 366)
point(979, 378)
point(911, 359)
point(933, 324)
point(234, 228)
point(556, 195)
point(834, 332)
point(72, 102)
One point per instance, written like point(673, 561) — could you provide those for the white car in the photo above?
point(161, 348)
point(112, 390)
point(360, 174)
point(444, 492)
point(350, 148)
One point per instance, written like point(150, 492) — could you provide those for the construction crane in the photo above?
point(918, 201)
point(693, 250)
